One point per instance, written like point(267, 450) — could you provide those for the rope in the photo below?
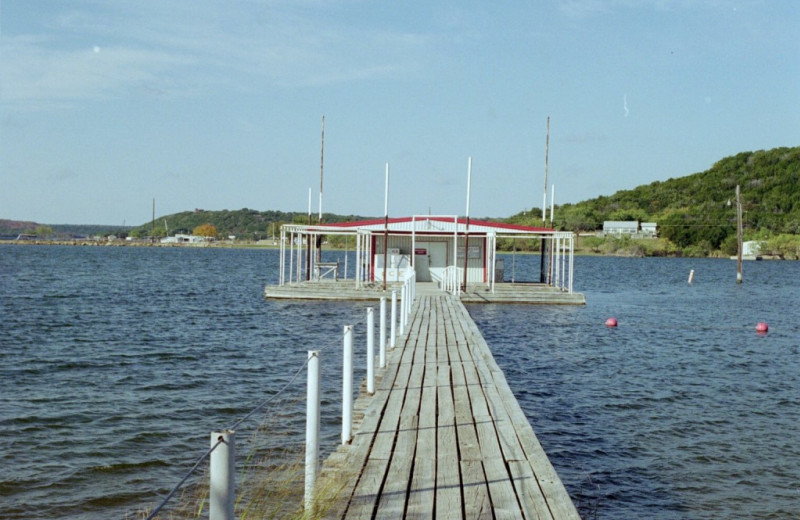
point(269, 400)
point(183, 480)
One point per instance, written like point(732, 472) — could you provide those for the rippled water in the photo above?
point(681, 412)
point(117, 363)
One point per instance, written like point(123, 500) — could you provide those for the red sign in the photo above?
point(420, 252)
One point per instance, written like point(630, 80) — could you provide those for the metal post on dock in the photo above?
point(370, 350)
point(393, 322)
point(403, 299)
point(347, 385)
point(382, 332)
point(222, 490)
point(312, 428)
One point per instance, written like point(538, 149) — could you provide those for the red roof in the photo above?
point(447, 220)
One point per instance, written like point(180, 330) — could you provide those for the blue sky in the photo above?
point(107, 104)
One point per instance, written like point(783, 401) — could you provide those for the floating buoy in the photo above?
point(691, 276)
point(611, 322)
point(762, 327)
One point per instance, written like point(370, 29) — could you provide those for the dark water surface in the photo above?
point(681, 412)
point(117, 363)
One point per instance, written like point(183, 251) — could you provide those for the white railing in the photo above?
point(451, 280)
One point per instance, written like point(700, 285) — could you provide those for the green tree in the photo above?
point(157, 232)
point(43, 231)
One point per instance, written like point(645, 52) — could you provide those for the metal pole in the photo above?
point(382, 343)
point(222, 492)
point(347, 385)
point(402, 310)
point(393, 322)
point(370, 350)
point(385, 226)
point(738, 235)
point(312, 428)
point(542, 276)
point(466, 229)
point(308, 240)
point(321, 169)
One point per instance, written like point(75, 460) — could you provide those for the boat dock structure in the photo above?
point(437, 432)
point(457, 255)
point(443, 435)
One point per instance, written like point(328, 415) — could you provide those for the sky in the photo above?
point(108, 105)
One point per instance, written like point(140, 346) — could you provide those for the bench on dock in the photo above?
point(325, 269)
point(443, 436)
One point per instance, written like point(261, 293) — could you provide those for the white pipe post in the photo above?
point(403, 309)
point(312, 428)
point(222, 492)
point(393, 322)
point(370, 350)
point(571, 260)
point(281, 263)
point(347, 385)
point(382, 332)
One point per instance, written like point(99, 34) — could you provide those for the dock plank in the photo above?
point(443, 436)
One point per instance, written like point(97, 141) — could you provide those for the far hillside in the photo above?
point(244, 224)
point(700, 209)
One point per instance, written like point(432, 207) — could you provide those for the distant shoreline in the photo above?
point(125, 243)
point(256, 245)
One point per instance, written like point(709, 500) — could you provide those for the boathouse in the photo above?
point(449, 251)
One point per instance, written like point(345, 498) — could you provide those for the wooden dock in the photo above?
point(532, 293)
point(443, 436)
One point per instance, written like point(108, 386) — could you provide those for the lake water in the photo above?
point(117, 363)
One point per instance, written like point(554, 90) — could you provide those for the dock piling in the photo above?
point(347, 385)
point(222, 486)
point(382, 332)
point(312, 429)
point(392, 334)
point(370, 350)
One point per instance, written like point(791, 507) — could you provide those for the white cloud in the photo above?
point(33, 72)
point(95, 50)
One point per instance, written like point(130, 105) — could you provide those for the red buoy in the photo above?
point(762, 327)
point(611, 322)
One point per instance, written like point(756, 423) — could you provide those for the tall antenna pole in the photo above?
point(308, 240)
point(386, 226)
point(466, 230)
point(546, 160)
point(738, 235)
point(543, 247)
point(321, 167)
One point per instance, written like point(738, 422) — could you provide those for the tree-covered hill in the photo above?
point(700, 208)
point(243, 223)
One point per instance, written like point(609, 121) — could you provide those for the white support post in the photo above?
point(222, 492)
point(571, 259)
point(312, 428)
point(393, 321)
point(347, 385)
point(370, 350)
point(291, 256)
point(382, 332)
point(281, 259)
point(403, 298)
point(358, 260)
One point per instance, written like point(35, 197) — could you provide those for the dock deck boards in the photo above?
point(443, 436)
point(530, 293)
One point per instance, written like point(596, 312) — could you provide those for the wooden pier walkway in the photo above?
point(443, 436)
